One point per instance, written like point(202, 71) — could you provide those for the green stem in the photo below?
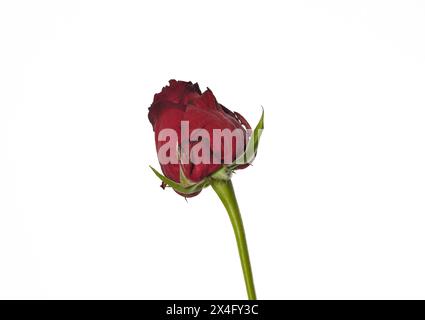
point(225, 192)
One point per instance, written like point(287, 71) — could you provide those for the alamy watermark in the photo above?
point(202, 147)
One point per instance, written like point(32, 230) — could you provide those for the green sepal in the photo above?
point(179, 187)
point(185, 181)
point(251, 149)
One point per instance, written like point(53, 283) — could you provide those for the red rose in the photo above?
point(184, 101)
point(200, 143)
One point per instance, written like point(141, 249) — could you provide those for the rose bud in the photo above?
point(182, 106)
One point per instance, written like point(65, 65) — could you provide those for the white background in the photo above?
point(333, 207)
